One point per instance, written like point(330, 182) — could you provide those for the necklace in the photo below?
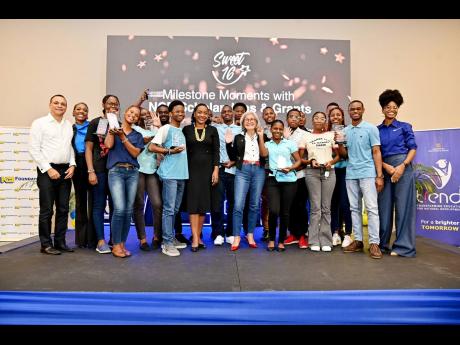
point(198, 137)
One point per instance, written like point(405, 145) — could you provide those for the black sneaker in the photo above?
point(181, 238)
point(145, 247)
point(156, 244)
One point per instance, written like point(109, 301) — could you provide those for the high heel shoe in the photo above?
point(234, 248)
point(194, 249)
point(253, 245)
point(270, 249)
point(201, 246)
point(281, 249)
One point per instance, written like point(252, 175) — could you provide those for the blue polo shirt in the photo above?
point(279, 156)
point(221, 129)
point(360, 140)
point(147, 159)
point(397, 138)
point(119, 154)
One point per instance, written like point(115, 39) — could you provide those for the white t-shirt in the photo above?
point(319, 146)
point(299, 136)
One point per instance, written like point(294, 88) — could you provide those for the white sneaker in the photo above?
point(336, 239)
point(169, 249)
point(314, 248)
point(219, 241)
point(346, 241)
point(230, 239)
point(179, 245)
point(326, 248)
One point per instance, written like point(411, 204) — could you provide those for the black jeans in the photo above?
point(280, 196)
point(225, 191)
point(85, 235)
point(298, 220)
point(53, 192)
point(149, 183)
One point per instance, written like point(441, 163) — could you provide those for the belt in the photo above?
point(125, 165)
point(252, 162)
point(59, 165)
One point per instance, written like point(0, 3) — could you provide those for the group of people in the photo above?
point(311, 181)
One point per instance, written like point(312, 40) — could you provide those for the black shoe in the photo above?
point(270, 249)
point(145, 247)
point(156, 244)
point(280, 249)
point(64, 248)
point(194, 249)
point(201, 246)
point(264, 237)
point(110, 243)
point(181, 238)
point(50, 250)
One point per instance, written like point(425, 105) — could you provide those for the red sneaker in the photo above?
point(291, 239)
point(303, 242)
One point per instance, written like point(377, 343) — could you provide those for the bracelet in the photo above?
point(91, 170)
point(124, 141)
point(379, 176)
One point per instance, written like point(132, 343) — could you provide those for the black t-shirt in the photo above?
point(100, 153)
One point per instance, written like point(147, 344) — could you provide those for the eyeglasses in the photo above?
point(112, 105)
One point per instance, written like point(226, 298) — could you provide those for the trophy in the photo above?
point(339, 129)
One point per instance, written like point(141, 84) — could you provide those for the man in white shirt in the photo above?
point(51, 148)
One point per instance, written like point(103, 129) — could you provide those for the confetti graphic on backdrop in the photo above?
point(277, 72)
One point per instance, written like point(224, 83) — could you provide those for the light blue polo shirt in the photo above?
point(360, 140)
point(279, 156)
point(147, 159)
point(221, 129)
point(175, 166)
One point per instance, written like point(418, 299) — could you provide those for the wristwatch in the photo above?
point(91, 170)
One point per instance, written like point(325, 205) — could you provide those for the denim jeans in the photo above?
point(100, 193)
point(340, 206)
point(357, 189)
point(123, 187)
point(250, 178)
point(226, 192)
point(399, 198)
point(172, 193)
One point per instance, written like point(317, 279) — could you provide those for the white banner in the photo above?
point(19, 204)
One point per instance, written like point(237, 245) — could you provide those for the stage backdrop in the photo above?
point(260, 72)
point(438, 185)
point(19, 205)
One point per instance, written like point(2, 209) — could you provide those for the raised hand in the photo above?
point(260, 131)
point(228, 136)
point(144, 95)
point(287, 132)
point(155, 119)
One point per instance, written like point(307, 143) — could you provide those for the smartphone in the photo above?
point(173, 147)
